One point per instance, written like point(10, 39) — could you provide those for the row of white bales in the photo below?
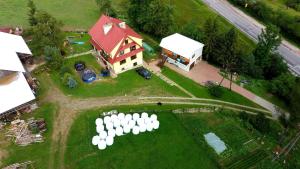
point(120, 124)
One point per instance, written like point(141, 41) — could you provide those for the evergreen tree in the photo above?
point(47, 32)
point(211, 33)
point(229, 53)
point(268, 42)
point(31, 13)
point(151, 16)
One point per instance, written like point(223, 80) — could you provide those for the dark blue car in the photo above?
point(144, 73)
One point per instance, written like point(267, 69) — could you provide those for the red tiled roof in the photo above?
point(5, 30)
point(109, 41)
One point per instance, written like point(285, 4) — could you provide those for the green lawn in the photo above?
point(202, 92)
point(128, 83)
point(178, 143)
point(38, 152)
point(169, 147)
point(75, 14)
point(260, 88)
point(78, 48)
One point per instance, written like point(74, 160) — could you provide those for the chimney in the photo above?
point(107, 27)
point(122, 25)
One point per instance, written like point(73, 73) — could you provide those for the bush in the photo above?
point(69, 80)
point(64, 70)
point(215, 90)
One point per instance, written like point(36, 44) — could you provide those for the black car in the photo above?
point(144, 72)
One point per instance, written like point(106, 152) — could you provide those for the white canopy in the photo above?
point(15, 93)
point(181, 45)
point(10, 45)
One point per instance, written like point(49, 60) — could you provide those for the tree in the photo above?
point(294, 102)
point(53, 58)
point(106, 7)
point(211, 32)
point(47, 32)
point(268, 42)
point(192, 31)
point(283, 85)
point(151, 16)
point(229, 53)
point(261, 123)
point(31, 13)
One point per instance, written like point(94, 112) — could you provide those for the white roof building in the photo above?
point(16, 91)
point(181, 50)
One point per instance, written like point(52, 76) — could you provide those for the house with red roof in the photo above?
point(117, 45)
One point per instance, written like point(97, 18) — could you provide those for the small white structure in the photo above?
point(100, 128)
point(181, 51)
point(99, 121)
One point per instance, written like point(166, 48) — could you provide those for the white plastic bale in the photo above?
point(135, 116)
point(109, 126)
point(95, 140)
point(121, 116)
point(119, 131)
point(153, 117)
point(113, 117)
point(131, 123)
point(148, 120)
point(124, 122)
point(144, 115)
point(155, 124)
point(128, 117)
point(143, 128)
point(149, 127)
point(109, 140)
point(99, 121)
point(135, 130)
point(107, 119)
point(103, 134)
point(102, 145)
point(140, 121)
point(100, 128)
point(116, 123)
point(111, 133)
point(126, 129)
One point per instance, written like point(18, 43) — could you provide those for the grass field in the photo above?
point(128, 83)
point(78, 14)
point(78, 48)
point(39, 152)
point(202, 92)
point(168, 147)
point(178, 143)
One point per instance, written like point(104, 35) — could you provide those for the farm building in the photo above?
point(117, 45)
point(15, 91)
point(181, 51)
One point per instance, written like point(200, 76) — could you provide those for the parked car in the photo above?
point(144, 73)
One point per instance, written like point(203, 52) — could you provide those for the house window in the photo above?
point(126, 41)
point(133, 57)
point(132, 48)
point(135, 63)
point(193, 56)
point(122, 62)
point(122, 52)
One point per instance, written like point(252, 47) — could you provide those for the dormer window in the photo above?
point(122, 52)
point(126, 41)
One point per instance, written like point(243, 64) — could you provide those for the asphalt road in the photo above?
point(252, 28)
